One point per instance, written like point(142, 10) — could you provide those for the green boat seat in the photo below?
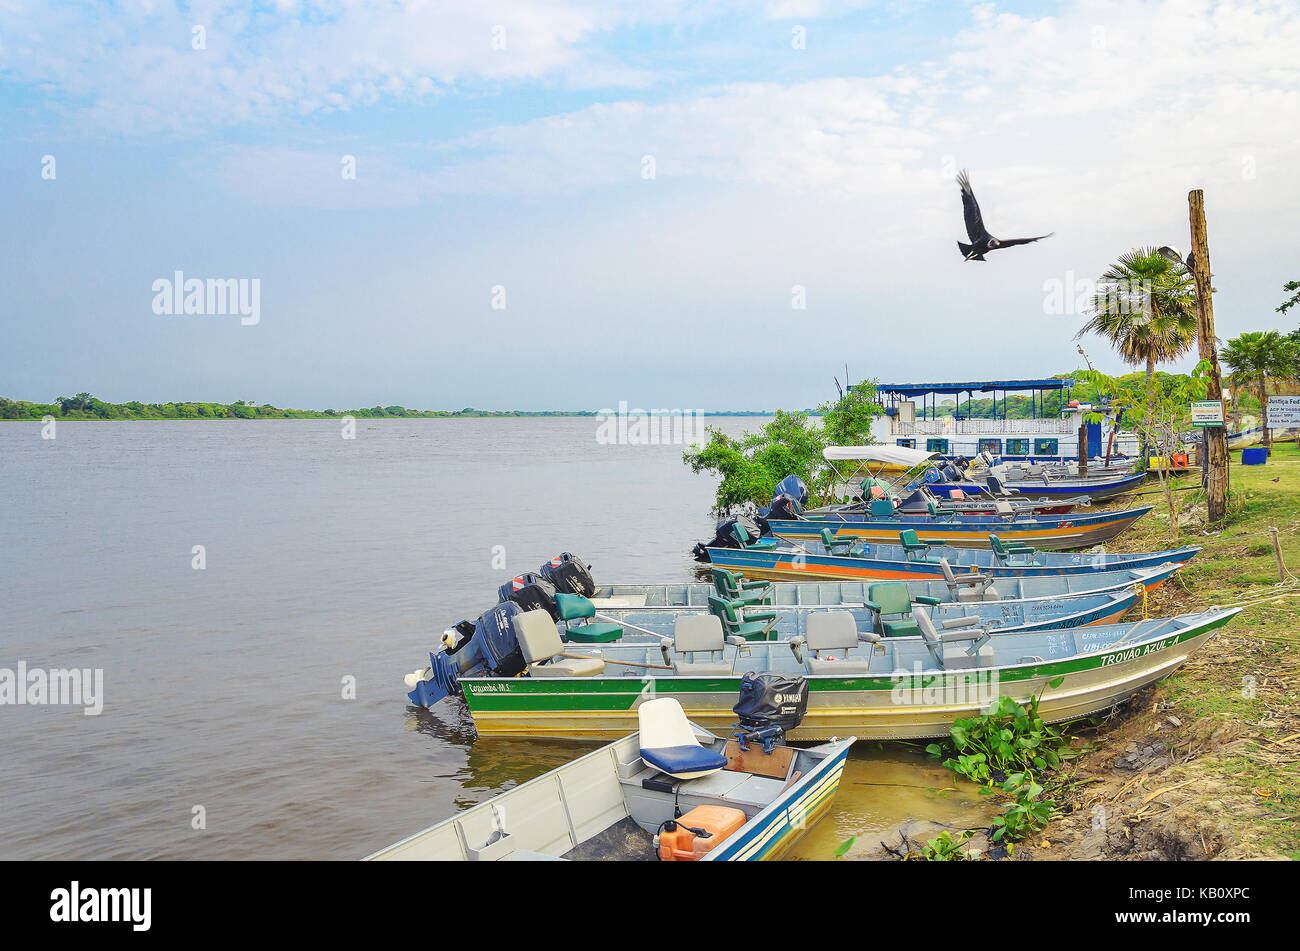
point(700, 639)
point(540, 644)
point(913, 547)
point(881, 508)
point(891, 602)
point(1012, 554)
point(742, 536)
point(738, 622)
point(931, 508)
point(732, 586)
point(574, 607)
point(835, 546)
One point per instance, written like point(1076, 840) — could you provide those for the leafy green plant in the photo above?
point(1011, 737)
point(1027, 812)
point(947, 847)
point(845, 846)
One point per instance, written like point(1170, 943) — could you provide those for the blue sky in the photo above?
point(795, 144)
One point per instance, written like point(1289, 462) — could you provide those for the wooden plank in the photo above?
point(757, 763)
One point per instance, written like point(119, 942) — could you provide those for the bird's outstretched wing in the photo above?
point(970, 208)
point(1008, 242)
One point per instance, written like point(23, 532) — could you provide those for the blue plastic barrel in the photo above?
point(1254, 456)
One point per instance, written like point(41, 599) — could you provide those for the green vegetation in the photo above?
point(751, 465)
point(1009, 749)
point(85, 406)
point(1145, 307)
point(1245, 682)
point(947, 847)
point(1257, 359)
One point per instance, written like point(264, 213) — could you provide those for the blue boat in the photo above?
point(812, 562)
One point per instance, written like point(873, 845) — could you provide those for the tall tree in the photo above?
point(1260, 357)
point(1145, 306)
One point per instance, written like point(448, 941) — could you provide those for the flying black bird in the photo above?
point(981, 241)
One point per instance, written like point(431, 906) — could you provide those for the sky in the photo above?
point(565, 204)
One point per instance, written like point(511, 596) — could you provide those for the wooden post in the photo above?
point(1083, 445)
point(1277, 550)
point(1216, 438)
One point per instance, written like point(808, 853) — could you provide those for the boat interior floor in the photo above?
point(624, 841)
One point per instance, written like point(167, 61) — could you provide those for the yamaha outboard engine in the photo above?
point(530, 591)
point(569, 574)
point(725, 536)
point(770, 704)
point(794, 487)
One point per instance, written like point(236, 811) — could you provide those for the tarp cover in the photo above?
point(889, 455)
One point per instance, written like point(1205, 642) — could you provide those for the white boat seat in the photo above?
point(962, 645)
point(700, 639)
point(835, 631)
point(668, 741)
point(976, 586)
point(540, 642)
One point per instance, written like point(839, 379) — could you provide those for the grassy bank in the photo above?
point(1204, 765)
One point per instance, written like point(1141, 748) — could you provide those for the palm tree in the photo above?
point(1145, 305)
point(1255, 358)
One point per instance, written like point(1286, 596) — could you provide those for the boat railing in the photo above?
point(947, 425)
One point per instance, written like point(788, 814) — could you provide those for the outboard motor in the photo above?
point(487, 643)
point(724, 537)
point(951, 473)
point(785, 507)
point(792, 486)
point(770, 704)
point(530, 591)
point(569, 574)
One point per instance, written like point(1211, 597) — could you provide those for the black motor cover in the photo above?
point(569, 574)
point(770, 699)
point(530, 591)
point(496, 633)
point(785, 507)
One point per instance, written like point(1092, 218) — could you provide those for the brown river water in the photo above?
point(326, 560)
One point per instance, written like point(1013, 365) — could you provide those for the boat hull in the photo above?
point(792, 564)
point(1078, 531)
point(1096, 490)
point(887, 706)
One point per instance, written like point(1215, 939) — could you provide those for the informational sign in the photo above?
point(1208, 414)
point(1283, 412)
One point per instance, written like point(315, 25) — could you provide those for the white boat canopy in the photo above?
point(883, 455)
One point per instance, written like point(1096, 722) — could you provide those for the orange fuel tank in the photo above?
point(683, 845)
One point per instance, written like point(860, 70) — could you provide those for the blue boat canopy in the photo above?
point(973, 386)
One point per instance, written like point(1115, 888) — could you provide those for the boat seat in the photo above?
point(913, 547)
point(539, 642)
point(668, 742)
point(962, 644)
point(882, 508)
point(834, 546)
point(699, 634)
point(975, 586)
point(572, 607)
point(891, 602)
point(742, 536)
point(739, 621)
point(1008, 554)
point(835, 631)
point(734, 587)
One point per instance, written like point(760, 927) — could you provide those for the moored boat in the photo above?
point(672, 791)
point(811, 561)
point(875, 689)
point(965, 531)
